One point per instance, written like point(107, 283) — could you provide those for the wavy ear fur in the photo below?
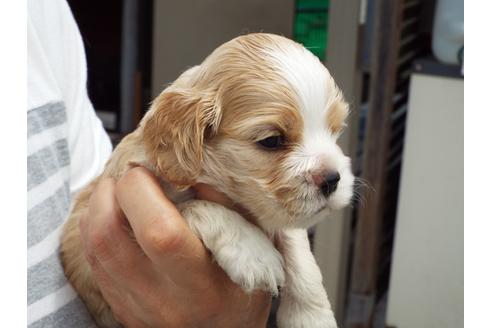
point(174, 133)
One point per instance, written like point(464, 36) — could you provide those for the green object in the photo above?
point(311, 25)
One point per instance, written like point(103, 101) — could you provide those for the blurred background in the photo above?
point(395, 257)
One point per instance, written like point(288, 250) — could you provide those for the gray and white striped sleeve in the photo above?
point(51, 300)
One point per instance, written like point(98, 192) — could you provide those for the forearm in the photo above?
point(304, 302)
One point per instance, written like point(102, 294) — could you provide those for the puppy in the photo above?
point(258, 120)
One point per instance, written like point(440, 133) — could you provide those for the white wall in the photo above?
point(426, 288)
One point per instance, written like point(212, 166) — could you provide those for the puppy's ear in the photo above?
point(174, 133)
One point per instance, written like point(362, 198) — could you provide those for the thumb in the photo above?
point(160, 230)
point(206, 192)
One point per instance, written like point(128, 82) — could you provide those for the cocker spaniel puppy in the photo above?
point(259, 121)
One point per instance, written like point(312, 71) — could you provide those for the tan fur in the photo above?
point(204, 128)
point(77, 270)
point(174, 137)
point(337, 115)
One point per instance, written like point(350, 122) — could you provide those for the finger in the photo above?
point(161, 231)
point(105, 233)
point(206, 192)
point(117, 297)
point(104, 281)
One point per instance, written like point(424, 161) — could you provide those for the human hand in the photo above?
point(163, 276)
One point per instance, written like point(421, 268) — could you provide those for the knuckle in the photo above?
point(104, 185)
point(99, 241)
point(131, 176)
point(164, 238)
point(99, 245)
point(137, 172)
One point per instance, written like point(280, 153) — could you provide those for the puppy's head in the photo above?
point(258, 120)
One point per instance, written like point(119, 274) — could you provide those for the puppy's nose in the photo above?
point(328, 182)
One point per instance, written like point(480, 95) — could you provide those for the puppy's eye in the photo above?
point(272, 142)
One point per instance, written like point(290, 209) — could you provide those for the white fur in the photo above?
point(240, 248)
point(305, 73)
point(316, 91)
point(304, 303)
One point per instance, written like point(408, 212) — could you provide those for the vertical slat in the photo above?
point(384, 58)
point(129, 62)
point(331, 243)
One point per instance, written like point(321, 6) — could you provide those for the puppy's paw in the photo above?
point(252, 262)
point(241, 249)
point(304, 316)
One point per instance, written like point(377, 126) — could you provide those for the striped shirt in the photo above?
point(66, 148)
